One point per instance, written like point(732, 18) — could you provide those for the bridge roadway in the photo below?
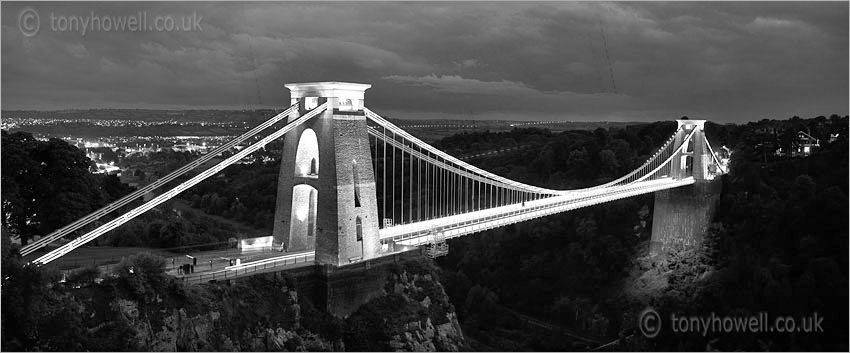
point(211, 264)
point(268, 262)
point(424, 232)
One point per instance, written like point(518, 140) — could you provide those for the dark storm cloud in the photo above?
point(720, 61)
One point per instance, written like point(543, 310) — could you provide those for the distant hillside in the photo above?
point(143, 114)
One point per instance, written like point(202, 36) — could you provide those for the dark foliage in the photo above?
point(779, 244)
point(782, 248)
point(245, 193)
point(166, 227)
point(48, 184)
point(41, 313)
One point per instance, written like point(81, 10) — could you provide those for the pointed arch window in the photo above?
point(356, 180)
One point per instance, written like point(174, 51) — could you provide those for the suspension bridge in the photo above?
point(353, 186)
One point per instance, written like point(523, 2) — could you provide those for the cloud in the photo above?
point(767, 22)
point(721, 61)
point(460, 85)
point(506, 100)
point(508, 90)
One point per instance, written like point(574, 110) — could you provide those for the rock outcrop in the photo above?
point(414, 315)
point(216, 326)
point(146, 310)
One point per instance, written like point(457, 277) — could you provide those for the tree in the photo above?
point(577, 163)
point(48, 184)
point(608, 164)
point(143, 274)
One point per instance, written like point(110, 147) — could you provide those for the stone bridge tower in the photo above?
point(326, 198)
point(682, 215)
point(694, 158)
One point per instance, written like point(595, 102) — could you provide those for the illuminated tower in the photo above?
point(682, 215)
point(326, 197)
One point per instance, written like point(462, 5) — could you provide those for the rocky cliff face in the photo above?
point(262, 314)
point(441, 334)
point(149, 311)
point(414, 314)
point(416, 337)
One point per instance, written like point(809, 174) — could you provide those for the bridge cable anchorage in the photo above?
point(70, 246)
point(61, 232)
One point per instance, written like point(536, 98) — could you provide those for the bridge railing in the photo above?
point(243, 271)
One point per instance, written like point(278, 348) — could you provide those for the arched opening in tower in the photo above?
point(307, 155)
point(304, 207)
point(687, 158)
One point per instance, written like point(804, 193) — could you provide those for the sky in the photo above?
point(565, 61)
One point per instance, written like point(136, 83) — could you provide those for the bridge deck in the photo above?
point(266, 264)
point(472, 222)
